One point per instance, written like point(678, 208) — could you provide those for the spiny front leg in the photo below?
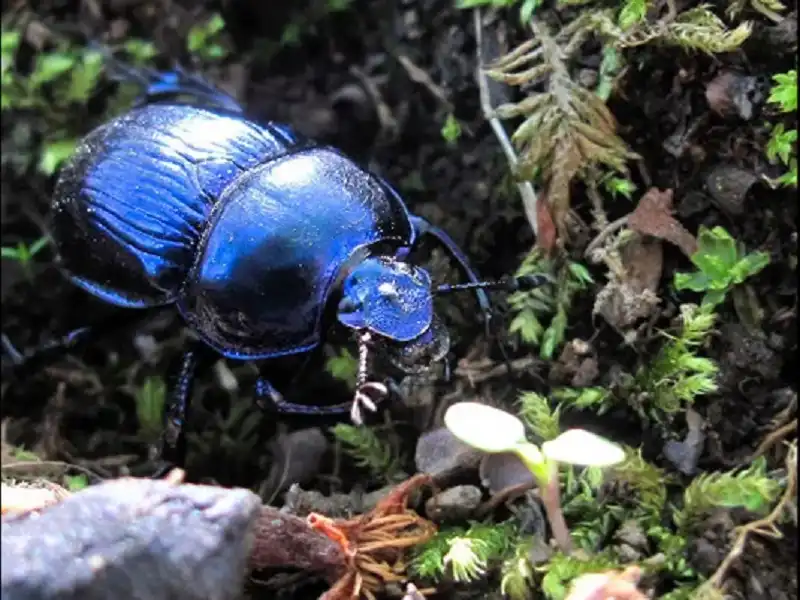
point(362, 396)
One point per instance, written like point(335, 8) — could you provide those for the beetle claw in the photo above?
point(363, 399)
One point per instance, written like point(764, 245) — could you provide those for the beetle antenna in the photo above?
point(508, 284)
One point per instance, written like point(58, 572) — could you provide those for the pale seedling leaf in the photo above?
point(581, 447)
point(484, 427)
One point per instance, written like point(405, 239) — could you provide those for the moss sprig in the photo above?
point(532, 308)
point(768, 8)
point(516, 573)
point(562, 569)
point(368, 450)
point(696, 29)
point(567, 128)
point(648, 482)
point(677, 375)
point(463, 554)
point(750, 488)
point(537, 415)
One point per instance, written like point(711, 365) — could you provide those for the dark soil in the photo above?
point(81, 409)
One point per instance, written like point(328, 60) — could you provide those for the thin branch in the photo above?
point(764, 527)
point(525, 188)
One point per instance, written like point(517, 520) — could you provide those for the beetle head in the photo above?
point(419, 354)
point(389, 298)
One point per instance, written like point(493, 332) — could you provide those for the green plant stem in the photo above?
point(546, 474)
point(551, 499)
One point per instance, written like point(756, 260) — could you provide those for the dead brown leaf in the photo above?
point(546, 239)
point(623, 301)
point(653, 217)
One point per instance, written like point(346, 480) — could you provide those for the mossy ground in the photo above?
point(352, 78)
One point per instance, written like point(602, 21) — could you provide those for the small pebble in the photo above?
point(442, 455)
point(458, 502)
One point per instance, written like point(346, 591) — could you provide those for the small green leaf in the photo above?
point(549, 342)
point(38, 245)
point(527, 9)
point(140, 50)
point(9, 40)
point(150, 399)
point(784, 92)
point(527, 327)
point(49, 67)
point(76, 483)
point(713, 298)
point(632, 12)
point(580, 272)
point(10, 253)
point(451, 130)
point(343, 366)
point(750, 265)
point(55, 153)
point(215, 24)
point(697, 282)
point(85, 76)
point(716, 253)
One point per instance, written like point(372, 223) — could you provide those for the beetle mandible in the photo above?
point(249, 230)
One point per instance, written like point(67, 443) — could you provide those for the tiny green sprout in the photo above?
point(517, 573)
point(150, 400)
point(784, 92)
point(140, 51)
point(24, 254)
point(632, 13)
point(619, 186)
point(494, 430)
point(782, 145)
point(721, 265)
point(526, 8)
point(343, 366)
point(202, 39)
point(76, 483)
point(451, 130)
point(54, 154)
point(335, 6)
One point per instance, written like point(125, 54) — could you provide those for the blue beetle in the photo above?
point(250, 230)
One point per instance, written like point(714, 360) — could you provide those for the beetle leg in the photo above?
point(176, 411)
point(423, 227)
point(268, 398)
point(16, 360)
point(159, 85)
point(367, 393)
point(51, 348)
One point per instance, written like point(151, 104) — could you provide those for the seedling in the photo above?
point(493, 430)
point(203, 39)
point(150, 400)
point(451, 130)
point(784, 92)
point(721, 265)
point(24, 254)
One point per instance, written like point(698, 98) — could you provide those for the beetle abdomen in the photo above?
point(133, 201)
point(276, 243)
